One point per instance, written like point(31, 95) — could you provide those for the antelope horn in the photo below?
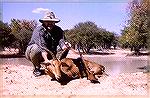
point(50, 52)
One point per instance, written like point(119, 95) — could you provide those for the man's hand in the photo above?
point(46, 61)
point(66, 46)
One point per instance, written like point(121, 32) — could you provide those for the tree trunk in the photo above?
point(137, 50)
point(21, 48)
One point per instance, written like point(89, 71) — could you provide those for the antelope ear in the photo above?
point(64, 67)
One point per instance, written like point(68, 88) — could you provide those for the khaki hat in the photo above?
point(49, 17)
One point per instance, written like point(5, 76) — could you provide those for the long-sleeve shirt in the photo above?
point(49, 39)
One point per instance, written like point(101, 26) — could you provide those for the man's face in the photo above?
point(49, 23)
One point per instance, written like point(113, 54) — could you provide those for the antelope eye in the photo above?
point(53, 65)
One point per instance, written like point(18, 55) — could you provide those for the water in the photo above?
point(117, 65)
point(114, 65)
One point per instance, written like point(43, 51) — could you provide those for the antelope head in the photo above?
point(54, 68)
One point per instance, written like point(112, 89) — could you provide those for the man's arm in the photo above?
point(44, 55)
point(41, 42)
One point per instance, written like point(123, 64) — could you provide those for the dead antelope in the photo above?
point(53, 69)
point(70, 68)
point(89, 70)
point(95, 68)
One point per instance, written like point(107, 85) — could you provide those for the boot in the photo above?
point(38, 72)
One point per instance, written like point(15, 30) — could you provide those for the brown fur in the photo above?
point(70, 67)
point(53, 70)
point(92, 67)
point(97, 69)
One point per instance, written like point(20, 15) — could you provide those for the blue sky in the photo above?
point(108, 15)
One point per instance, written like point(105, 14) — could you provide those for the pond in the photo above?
point(117, 65)
point(114, 65)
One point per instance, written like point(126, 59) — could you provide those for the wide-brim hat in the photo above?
point(50, 16)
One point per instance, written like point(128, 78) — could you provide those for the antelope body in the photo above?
point(74, 65)
point(71, 68)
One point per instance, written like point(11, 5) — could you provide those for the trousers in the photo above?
point(33, 54)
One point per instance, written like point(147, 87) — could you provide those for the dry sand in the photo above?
point(19, 80)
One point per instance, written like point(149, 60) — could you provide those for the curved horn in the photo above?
point(50, 52)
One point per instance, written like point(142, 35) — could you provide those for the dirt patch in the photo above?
point(19, 80)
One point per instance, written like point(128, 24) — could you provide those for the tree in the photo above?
point(22, 30)
point(87, 35)
point(83, 35)
point(148, 25)
point(109, 39)
point(135, 34)
point(6, 38)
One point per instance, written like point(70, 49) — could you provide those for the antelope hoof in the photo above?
point(94, 81)
point(58, 78)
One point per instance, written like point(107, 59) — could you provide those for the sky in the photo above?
point(111, 16)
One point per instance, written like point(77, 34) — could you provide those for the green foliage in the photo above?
point(83, 34)
point(22, 30)
point(135, 34)
point(109, 39)
point(87, 35)
point(6, 38)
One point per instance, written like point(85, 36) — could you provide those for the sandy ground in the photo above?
point(19, 80)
